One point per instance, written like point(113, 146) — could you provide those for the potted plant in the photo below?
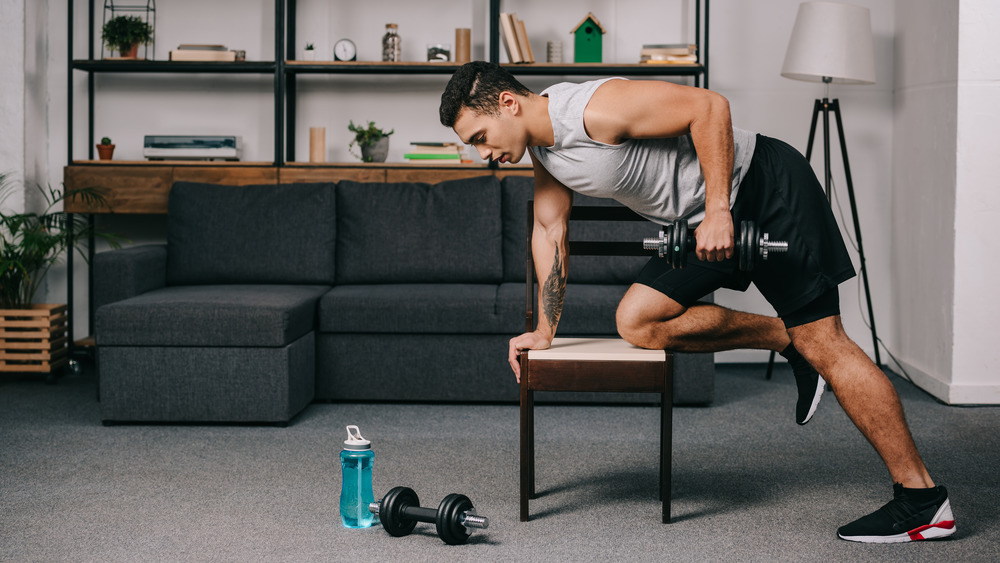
point(34, 335)
point(310, 54)
point(374, 142)
point(125, 33)
point(105, 149)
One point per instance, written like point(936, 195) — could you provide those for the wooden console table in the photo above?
point(140, 187)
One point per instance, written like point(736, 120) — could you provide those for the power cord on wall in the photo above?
point(843, 220)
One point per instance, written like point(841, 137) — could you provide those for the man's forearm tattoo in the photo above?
point(554, 291)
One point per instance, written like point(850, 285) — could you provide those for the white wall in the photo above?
point(12, 96)
point(977, 206)
point(945, 200)
point(747, 49)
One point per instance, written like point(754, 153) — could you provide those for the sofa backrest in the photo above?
point(419, 233)
point(518, 190)
point(251, 234)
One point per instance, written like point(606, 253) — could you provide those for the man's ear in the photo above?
point(508, 101)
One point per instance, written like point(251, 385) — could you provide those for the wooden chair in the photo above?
point(592, 364)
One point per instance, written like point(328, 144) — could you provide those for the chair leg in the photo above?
point(527, 444)
point(531, 445)
point(666, 440)
point(770, 367)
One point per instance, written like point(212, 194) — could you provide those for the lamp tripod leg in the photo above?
point(857, 229)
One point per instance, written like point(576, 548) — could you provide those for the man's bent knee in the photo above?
point(640, 310)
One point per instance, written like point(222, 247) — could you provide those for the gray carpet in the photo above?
point(749, 484)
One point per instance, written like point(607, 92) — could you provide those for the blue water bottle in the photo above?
point(356, 489)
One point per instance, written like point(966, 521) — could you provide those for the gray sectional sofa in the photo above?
point(266, 298)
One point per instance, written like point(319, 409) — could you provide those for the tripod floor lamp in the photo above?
point(832, 43)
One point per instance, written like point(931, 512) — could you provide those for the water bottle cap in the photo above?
point(354, 440)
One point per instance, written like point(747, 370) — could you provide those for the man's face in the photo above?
point(501, 138)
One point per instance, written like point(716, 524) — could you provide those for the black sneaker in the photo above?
point(811, 387)
point(904, 519)
point(809, 382)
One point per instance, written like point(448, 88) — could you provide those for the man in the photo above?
point(669, 151)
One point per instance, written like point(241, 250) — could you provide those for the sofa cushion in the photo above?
point(517, 190)
point(411, 309)
point(211, 315)
point(419, 233)
point(251, 234)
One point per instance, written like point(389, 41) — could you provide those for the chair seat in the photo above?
point(596, 349)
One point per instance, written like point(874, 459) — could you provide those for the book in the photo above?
point(202, 55)
point(672, 48)
point(510, 38)
point(200, 47)
point(424, 150)
point(669, 59)
point(430, 149)
point(522, 41)
point(427, 156)
point(675, 53)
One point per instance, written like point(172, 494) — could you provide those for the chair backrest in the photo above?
point(579, 247)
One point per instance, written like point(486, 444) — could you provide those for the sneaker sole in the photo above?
point(941, 526)
point(820, 388)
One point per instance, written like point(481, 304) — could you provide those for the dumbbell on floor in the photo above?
point(400, 510)
point(676, 240)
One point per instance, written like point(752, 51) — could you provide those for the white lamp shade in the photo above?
point(831, 40)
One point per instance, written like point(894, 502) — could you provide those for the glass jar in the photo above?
point(391, 48)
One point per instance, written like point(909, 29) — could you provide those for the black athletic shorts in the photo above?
point(781, 193)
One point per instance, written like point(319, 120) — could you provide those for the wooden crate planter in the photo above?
point(34, 339)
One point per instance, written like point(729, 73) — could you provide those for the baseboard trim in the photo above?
point(951, 393)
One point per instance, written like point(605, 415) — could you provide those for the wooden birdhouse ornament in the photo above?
point(588, 42)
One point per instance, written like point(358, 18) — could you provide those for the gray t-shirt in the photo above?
point(661, 179)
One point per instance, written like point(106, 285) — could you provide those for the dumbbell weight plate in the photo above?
point(391, 511)
point(449, 519)
point(745, 247)
point(682, 244)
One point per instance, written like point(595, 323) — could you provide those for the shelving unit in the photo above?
point(142, 187)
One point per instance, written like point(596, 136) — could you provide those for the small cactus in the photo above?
point(105, 140)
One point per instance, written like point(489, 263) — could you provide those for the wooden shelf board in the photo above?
point(467, 165)
point(168, 163)
point(645, 69)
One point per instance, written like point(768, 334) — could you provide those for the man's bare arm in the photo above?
point(549, 249)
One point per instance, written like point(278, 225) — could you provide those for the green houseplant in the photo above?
point(125, 33)
point(374, 142)
point(35, 336)
point(31, 243)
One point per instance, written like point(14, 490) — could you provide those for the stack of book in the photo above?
point(673, 53)
point(516, 39)
point(428, 152)
point(191, 52)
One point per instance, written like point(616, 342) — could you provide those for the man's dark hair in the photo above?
point(477, 86)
